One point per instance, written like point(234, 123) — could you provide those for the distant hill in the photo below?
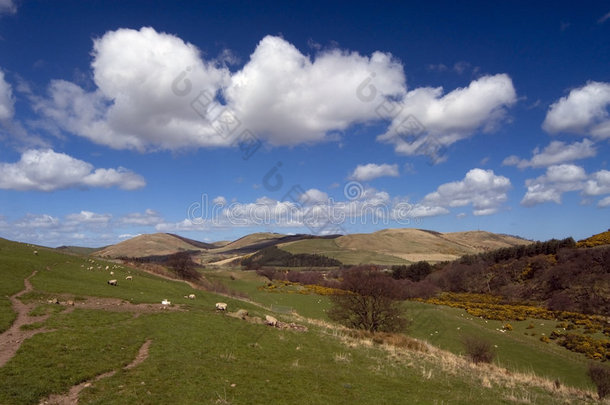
point(78, 250)
point(156, 244)
point(386, 247)
point(408, 245)
point(162, 244)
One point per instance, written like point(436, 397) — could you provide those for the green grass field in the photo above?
point(199, 355)
point(329, 248)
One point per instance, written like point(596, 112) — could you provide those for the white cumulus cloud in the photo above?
point(482, 189)
point(155, 91)
point(555, 153)
point(290, 98)
point(47, 170)
point(443, 119)
point(583, 111)
point(372, 171)
point(560, 179)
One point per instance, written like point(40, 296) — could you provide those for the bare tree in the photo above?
point(370, 301)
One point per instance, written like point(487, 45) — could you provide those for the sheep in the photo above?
point(113, 282)
point(166, 302)
point(221, 306)
point(112, 273)
point(191, 296)
point(36, 253)
point(129, 278)
point(107, 267)
point(271, 321)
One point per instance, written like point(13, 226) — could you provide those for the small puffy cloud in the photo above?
point(583, 111)
point(555, 153)
point(42, 221)
point(551, 186)
point(7, 102)
point(604, 202)
point(372, 171)
point(313, 196)
point(220, 200)
point(444, 119)
point(598, 183)
point(482, 189)
point(87, 218)
point(148, 218)
point(46, 170)
point(8, 7)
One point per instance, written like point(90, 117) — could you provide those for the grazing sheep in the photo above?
point(221, 306)
point(128, 278)
point(166, 302)
point(271, 321)
point(113, 282)
point(36, 253)
point(191, 296)
point(107, 267)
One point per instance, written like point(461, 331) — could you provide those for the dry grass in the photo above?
point(401, 349)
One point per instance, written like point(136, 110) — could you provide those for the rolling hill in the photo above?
point(156, 244)
point(386, 247)
point(396, 246)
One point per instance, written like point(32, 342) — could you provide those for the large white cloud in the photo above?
point(155, 91)
point(583, 111)
point(560, 179)
point(556, 152)
point(7, 102)
point(482, 189)
point(372, 171)
point(139, 102)
point(290, 98)
point(430, 119)
point(46, 170)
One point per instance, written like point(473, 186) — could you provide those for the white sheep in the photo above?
point(271, 321)
point(221, 306)
point(191, 296)
point(36, 253)
point(113, 282)
point(129, 278)
point(166, 302)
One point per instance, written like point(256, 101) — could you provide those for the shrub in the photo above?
point(545, 339)
point(478, 350)
point(369, 301)
point(600, 375)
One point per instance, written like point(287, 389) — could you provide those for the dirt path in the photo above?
point(11, 339)
point(71, 398)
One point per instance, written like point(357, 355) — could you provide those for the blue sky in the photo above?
point(218, 119)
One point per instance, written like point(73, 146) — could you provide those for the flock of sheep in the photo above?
point(220, 306)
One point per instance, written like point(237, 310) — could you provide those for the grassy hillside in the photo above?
point(402, 246)
point(198, 355)
point(331, 248)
